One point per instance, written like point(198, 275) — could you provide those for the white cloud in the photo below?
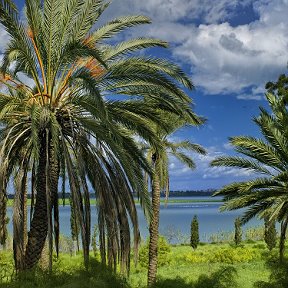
point(228, 146)
point(181, 175)
point(4, 37)
point(224, 59)
point(173, 10)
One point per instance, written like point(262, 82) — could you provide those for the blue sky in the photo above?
point(230, 48)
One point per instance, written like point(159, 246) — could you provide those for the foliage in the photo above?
point(224, 277)
point(94, 239)
point(69, 271)
point(234, 255)
point(70, 122)
point(157, 156)
point(74, 223)
point(194, 239)
point(66, 245)
point(267, 157)
point(238, 231)
point(164, 253)
point(270, 234)
point(228, 255)
point(174, 235)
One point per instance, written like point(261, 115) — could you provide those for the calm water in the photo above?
point(174, 219)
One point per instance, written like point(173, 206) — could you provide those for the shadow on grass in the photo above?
point(225, 277)
point(96, 276)
point(278, 277)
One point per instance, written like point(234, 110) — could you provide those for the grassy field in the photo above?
point(210, 266)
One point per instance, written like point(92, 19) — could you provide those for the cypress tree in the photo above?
point(238, 231)
point(270, 233)
point(194, 240)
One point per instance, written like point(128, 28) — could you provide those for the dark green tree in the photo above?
point(238, 231)
point(270, 233)
point(194, 239)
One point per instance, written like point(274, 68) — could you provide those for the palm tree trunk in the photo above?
point(3, 208)
point(39, 224)
point(20, 217)
point(153, 228)
point(282, 239)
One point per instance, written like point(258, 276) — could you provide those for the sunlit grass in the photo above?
point(183, 270)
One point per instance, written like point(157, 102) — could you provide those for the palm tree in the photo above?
point(265, 195)
point(79, 118)
point(158, 156)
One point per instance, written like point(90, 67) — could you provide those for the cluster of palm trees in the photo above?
point(265, 195)
point(73, 106)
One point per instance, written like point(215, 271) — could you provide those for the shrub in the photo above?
point(164, 252)
point(195, 258)
point(234, 255)
point(194, 240)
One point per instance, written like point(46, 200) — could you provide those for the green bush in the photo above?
point(194, 238)
point(234, 255)
point(164, 253)
point(195, 258)
point(259, 246)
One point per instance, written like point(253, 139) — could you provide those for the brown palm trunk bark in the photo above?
point(282, 240)
point(3, 217)
point(20, 217)
point(39, 224)
point(154, 227)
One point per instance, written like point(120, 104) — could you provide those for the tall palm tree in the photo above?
point(264, 195)
point(78, 118)
point(158, 157)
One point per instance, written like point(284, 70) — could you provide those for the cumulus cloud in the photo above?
point(4, 37)
point(204, 175)
point(223, 58)
point(209, 11)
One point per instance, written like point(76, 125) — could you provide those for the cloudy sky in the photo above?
point(230, 48)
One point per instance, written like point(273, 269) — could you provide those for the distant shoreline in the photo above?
point(170, 201)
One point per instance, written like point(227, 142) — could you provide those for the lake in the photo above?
point(175, 219)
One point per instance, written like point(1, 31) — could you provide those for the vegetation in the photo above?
point(270, 234)
point(267, 194)
point(69, 123)
point(94, 240)
point(74, 225)
point(238, 231)
point(158, 157)
point(194, 238)
point(243, 266)
point(164, 253)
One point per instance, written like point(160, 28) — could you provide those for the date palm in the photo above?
point(266, 194)
point(79, 118)
point(158, 157)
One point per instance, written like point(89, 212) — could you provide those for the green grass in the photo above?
point(186, 268)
